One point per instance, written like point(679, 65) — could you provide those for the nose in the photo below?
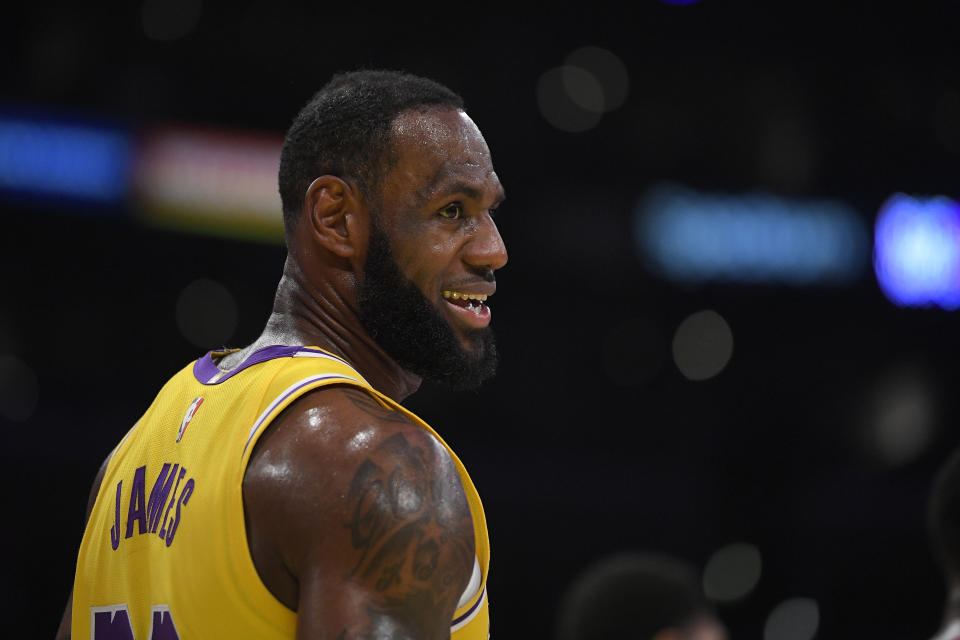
point(485, 249)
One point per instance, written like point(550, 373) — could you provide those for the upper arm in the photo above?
point(369, 517)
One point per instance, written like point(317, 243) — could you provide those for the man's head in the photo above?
point(943, 517)
point(409, 218)
point(345, 131)
point(641, 596)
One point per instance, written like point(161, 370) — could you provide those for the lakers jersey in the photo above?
point(165, 553)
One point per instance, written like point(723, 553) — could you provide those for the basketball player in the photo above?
point(943, 519)
point(281, 490)
point(637, 595)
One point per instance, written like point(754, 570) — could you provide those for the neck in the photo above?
point(320, 315)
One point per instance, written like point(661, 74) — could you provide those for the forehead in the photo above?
point(438, 148)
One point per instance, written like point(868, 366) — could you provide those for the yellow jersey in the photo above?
point(164, 554)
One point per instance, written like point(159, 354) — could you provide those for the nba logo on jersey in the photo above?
point(189, 416)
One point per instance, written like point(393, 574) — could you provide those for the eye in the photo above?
point(452, 211)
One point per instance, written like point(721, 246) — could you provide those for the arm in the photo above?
point(358, 521)
point(63, 631)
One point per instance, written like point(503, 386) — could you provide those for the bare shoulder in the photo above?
point(344, 430)
point(342, 491)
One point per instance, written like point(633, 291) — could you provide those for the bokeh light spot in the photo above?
point(732, 572)
point(206, 313)
point(702, 345)
point(917, 251)
point(608, 70)
point(557, 105)
point(583, 88)
point(901, 417)
point(793, 619)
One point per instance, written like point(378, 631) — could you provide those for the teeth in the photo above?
point(476, 306)
point(456, 295)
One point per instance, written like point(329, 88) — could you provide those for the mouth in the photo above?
point(472, 308)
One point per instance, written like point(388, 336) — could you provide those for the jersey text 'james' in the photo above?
point(153, 514)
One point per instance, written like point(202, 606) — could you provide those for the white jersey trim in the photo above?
point(462, 622)
point(473, 586)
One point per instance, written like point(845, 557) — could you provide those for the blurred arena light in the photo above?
point(18, 389)
point(592, 81)
point(917, 251)
point(70, 161)
point(206, 313)
point(793, 619)
point(209, 181)
point(570, 98)
point(220, 182)
point(687, 236)
point(169, 19)
point(732, 572)
point(901, 416)
point(608, 70)
point(702, 345)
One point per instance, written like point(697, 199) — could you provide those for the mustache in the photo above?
point(486, 275)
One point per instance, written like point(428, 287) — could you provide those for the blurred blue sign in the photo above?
point(45, 158)
point(688, 236)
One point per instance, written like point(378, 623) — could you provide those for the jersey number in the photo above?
point(113, 623)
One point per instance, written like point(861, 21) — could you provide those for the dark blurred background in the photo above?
point(780, 432)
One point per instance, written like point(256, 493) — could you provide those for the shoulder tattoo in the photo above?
point(412, 535)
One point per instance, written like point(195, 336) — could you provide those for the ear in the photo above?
point(335, 216)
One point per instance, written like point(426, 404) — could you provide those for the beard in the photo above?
point(412, 331)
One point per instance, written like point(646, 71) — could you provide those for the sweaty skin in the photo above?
point(440, 221)
point(396, 543)
point(356, 518)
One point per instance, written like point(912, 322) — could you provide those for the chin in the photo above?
point(473, 347)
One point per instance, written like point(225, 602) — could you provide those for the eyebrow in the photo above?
point(471, 191)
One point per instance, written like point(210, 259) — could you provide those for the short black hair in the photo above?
point(344, 130)
point(631, 595)
point(943, 516)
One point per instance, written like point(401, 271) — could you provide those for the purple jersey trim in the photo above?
point(469, 612)
point(206, 371)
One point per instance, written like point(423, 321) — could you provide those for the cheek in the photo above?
point(427, 264)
